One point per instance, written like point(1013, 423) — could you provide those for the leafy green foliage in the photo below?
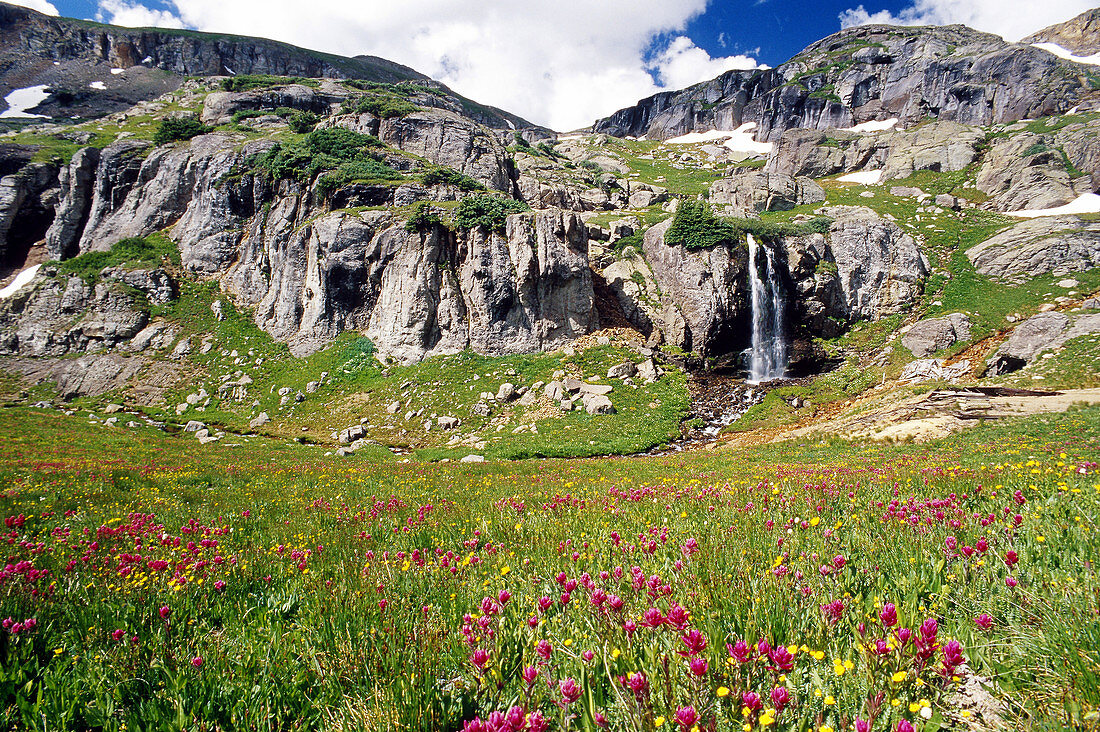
point(151, 251)
point(176, 129)
point(423, 218)
point(248, 82)
point(486, 211)
point(450, 177)
point(694, 226)
point(302, 122)
point(381, 105)
point(346, 153)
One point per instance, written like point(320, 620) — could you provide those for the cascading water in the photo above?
point(769, 345)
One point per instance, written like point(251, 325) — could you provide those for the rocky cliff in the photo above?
point(1079, 35)
point(870, 73)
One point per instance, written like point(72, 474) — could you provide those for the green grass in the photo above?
point(156, 250)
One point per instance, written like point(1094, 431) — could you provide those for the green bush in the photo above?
point(324, 150)
point(383, 106)
point(175, 129)
point(423, 218)
point(450, 177)
point(302, 122)
point(694, 226)
point(366, 170)
point(246, 114)
point(248, 82)
point(487, 211)
point(151, 251)
point(522, 143)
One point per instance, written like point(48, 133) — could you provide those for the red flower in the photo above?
point(570, 692)
point(686, 717)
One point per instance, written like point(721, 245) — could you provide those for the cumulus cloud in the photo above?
point(1011, 19)
point(561, 63)
point(40, 5)
point(120, 12)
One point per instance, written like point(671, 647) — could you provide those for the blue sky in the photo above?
point(563, 63)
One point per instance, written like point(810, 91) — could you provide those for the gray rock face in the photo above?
point(1027, 171)
point(1030, 338)
point(880, 267)
point(952, 72)
point(448, 139)
point(1050, 244)
point(1079, 35)
point(77, 180)
point(708, 288)
point(936, 334)
point(39, 320)
point(26, 210)
point(219, 107)
point(941, 146)
point(757, 191)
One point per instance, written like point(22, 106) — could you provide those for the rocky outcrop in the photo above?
point(27, 201)
point(448, 139)
point(935, 334)
point(219, 107)
point(880, 268)
point(1047, 245)
point(1028, 171)
point(937, 146)
point(1037, 334)
point(1079, 35)
point(59, 316)
point(708, 287)
point(757, 191)
point(871, 72)
point(76, 180)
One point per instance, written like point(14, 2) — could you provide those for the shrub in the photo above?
point(450, 177)
point(383, 106)
point(323, 150)
point(487, 211)
point(423, 218)
point(245, 114)
point(522, 143)
point(694, 226)
point(175, 129)
point(248, 82)
point(135, 251)
point(302, 122)
point(366, 170)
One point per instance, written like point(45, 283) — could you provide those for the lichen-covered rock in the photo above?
point(941, 146)
point(880, 267)
point(935, 334)
point(1045, 245)
point(953, 72)
point(218, 108)
point(1039, 333)
point(1027, 171)
point(759, 191)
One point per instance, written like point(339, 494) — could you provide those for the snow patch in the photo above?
point(20, 100)
point(20, 279)
point(98, 86)
point(874, 126)
point(116, 72)
point(1088, 203)
point(147, 60)
point(864, 177)
point(1060, 52)
point(739, 140)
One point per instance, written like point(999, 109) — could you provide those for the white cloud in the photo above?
point(561, 63)
point(683, 63)
point(1011, 19)
point(120, 12)
point(40, 5)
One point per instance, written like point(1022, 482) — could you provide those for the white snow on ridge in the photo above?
point(864, 177)
point(20, 100)
point(874, 126)
point(116, 72)
point(739, 140)
point(20, 279)
point(98, 86)
point(1060, 52)
point(1088, 203)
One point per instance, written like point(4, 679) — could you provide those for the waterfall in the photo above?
point(769, 346)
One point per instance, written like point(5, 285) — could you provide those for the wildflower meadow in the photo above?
point(799, 586)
